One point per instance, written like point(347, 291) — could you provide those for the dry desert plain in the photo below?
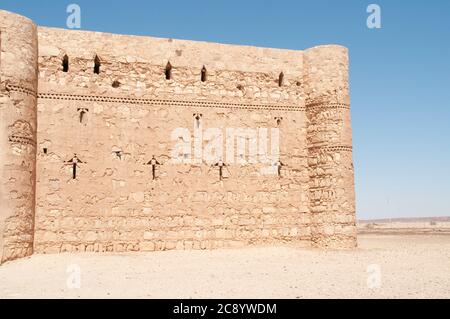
point(395, 259)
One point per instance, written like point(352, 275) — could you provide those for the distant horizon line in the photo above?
point(413, 219)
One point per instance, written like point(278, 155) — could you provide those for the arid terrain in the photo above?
point(398, 259)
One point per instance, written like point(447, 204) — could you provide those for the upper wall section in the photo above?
point(182, 53)
point(19, 49)
point(326, 74)
point(136, 65)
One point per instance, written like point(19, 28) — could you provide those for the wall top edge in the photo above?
point(12, 15)
point(83, 44)
point(211, 44)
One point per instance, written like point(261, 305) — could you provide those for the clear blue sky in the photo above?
point(400, 76)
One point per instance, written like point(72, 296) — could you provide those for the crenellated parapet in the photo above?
point(18, 69)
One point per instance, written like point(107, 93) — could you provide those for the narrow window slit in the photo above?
point(74, 163)
point(96, 65)
point(203, 77)
point(153, 162)
point(82, 111)
point(65, 63)
point(278, 120)
point(168, 71)
point(280, 79)
point(198, 117)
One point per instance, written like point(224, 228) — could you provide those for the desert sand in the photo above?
point(383, 266)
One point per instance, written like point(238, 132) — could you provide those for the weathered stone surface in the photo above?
point(18, 76)
point(116, 120)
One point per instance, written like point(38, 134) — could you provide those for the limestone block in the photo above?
point(146, 246)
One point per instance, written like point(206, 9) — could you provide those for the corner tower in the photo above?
point(329, 139)
point(18, 87)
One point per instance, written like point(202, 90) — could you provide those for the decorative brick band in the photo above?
point(21, 89)
point(336, 148)
point(326, 105)
point(22, 140)
point(180, 103)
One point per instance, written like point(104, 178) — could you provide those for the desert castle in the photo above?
point(125, 143)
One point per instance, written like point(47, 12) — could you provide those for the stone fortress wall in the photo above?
point(18, 68)
point(133, 92)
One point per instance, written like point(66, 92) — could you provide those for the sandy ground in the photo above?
point(406, 226)
point(384, 266)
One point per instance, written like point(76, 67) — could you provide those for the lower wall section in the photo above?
point(17, 174)
point(177, 232)
point(145, 221)
point(116, 204)
point(18, 229)
point(157, 246)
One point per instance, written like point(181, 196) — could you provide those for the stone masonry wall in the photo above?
point(131, 112)
point(331, 191)
point(115, 205)
point(18, 87)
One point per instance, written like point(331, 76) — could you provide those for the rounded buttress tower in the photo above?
point(18, 107)
point(329, 138)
